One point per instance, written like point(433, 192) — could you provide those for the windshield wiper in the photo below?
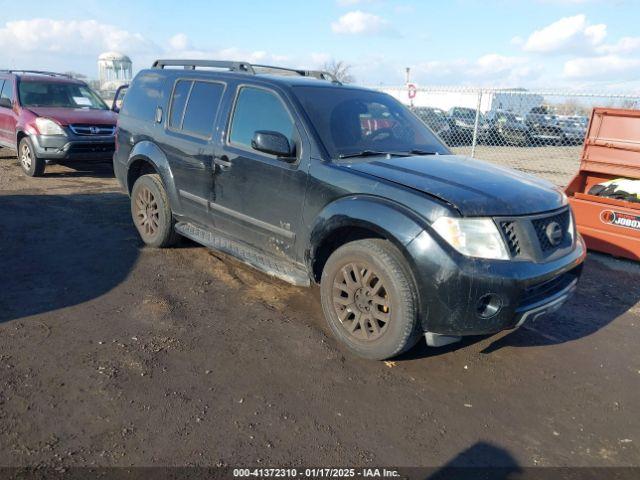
point(372, 153)
point(369, 153)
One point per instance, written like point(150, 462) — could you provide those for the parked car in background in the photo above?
point(52, 118)
point(463, 121)
point(312, 181)
point(543, 127)
point(506, 128)
point(574, 129)
point(437, 120)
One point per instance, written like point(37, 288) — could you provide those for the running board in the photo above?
point(258, 260)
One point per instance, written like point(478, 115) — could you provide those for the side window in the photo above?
point(201, 109)
point(143, 96)
point(7, 90)
point(258, 109)
point(178, 102)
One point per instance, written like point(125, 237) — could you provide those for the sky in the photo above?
point(586, 45)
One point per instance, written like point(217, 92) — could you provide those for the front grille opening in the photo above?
point(541, 226)
point(82, 129)
point(510, 235)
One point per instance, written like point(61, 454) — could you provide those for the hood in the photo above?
point(474, 187)
point(66, 116)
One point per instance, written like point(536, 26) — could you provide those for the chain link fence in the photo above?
point(538, 132)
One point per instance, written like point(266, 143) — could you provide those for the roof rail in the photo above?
point(242, 67)
point(38, 72)
point(192, 64)
point(319, 74)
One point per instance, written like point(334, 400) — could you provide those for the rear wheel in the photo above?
point(151, 212)
point(369, 299)
point(30, 163)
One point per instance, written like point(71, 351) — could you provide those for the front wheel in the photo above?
point(151, 212)
point(30, 164)
point(369, 299)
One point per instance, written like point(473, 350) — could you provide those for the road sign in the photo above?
point(412, 90)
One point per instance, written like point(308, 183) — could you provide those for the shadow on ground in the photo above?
point(480, 461)
point(62, 250)
point(603, 295)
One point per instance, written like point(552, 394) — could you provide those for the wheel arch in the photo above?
point(146, 157)
point(359, 217)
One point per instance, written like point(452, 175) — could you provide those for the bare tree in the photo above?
point(340, 70)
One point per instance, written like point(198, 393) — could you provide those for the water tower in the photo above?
point(115, 69)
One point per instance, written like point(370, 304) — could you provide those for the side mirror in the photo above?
point(273, 143)
point(5, 103)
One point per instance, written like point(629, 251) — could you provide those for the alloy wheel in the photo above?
point(26, 158)
point(147, 215)
point(361, 301)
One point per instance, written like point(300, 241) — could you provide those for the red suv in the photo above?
point(53, 118)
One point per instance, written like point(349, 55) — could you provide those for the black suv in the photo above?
point(312, 181)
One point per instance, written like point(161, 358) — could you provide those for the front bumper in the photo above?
point(451, 287)
point(63, 148)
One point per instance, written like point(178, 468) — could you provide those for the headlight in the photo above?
point(474, 237)
point(46, 126)
point(572, 226)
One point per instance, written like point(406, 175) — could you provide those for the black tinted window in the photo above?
point(144, 96)
point(351, 120)
point(202, 107)
point(178, 101)
point(258, 109)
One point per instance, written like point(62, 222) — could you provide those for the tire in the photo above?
point(151, 212)
point(382, 293)
point(30, 164)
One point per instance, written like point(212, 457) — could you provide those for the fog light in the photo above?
point(489, 305)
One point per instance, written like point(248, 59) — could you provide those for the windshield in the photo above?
point(57, 94)
point(349, 121)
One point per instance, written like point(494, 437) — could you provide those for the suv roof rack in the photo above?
point(243, 67)
point(38, 72)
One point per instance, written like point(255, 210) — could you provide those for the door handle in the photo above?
point(223, 162)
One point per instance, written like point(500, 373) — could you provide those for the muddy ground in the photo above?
point(116, 354)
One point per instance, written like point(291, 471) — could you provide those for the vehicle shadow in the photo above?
point(61, 250)
point(82, 169)
point(603, 294)
point(482, 460)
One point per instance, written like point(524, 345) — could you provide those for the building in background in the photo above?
point(114, 69)
point(516, 100)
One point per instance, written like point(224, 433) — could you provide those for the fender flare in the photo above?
point(383, 216)
point(151, 153)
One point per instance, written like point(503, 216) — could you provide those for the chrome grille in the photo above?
point(93, 130)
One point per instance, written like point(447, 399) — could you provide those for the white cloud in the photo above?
point(180, 41)
point(605, 67)
point(569, 34)
point(490, 69)
point(358, 22)
point(624, 45)
point(69, 36)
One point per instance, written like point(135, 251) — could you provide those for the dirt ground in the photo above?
point(112, 354)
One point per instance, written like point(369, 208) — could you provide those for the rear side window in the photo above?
point(144, 96)
point(194, 106)
point(178, 101)
point(259, 109)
